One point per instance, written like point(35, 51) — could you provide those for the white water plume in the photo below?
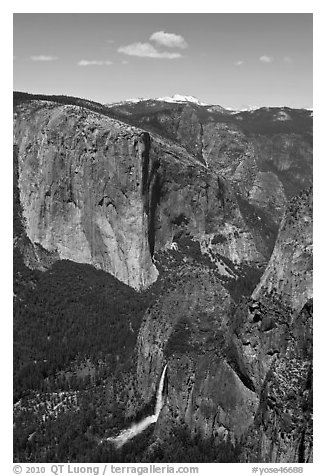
point(137, 428)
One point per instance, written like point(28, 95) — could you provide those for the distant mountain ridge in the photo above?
point(184, 99)
point(176, 98)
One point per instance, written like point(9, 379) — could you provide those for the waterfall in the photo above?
point(137, 428)
point(159, 395)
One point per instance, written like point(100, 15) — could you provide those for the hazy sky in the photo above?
point(234, 60)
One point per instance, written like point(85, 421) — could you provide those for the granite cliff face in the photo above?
point(289, 271)
point(282, 308)
point(83, 188)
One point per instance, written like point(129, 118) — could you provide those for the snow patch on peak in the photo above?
point(176, 98)
point(243, 109)
point(127, 101)
point(179, 98)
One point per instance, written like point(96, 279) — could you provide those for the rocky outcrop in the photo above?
point(187, 329)
point(282, 430)
point(289, 272)
point(273, 337)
